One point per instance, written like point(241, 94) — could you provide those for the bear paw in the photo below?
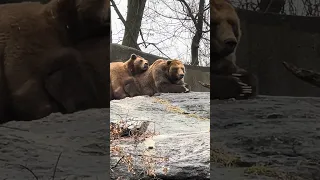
point(245, 88)
point(187, 88)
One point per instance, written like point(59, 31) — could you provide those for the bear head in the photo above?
point(82, 19)
point(137, 64)
point(176, 70)
point(225, 29)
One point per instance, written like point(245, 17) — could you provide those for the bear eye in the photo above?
point(141, 60)
point(174, 69)
point(182, 69)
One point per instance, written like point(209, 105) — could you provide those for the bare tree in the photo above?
point(288, 7)
point(190, 16)
point(132, 23)
point(172, 29)
point(198, 23)
point(274, 6)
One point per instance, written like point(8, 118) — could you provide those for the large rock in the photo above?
point(266, 138)
point(263, 138)
point(183, 123)
point(120, 53)
point(80, 137)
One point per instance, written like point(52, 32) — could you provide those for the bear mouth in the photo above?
point(226, 52)
point(144, 67)
point(175, 79)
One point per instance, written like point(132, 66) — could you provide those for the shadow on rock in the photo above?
point(266, 138)
point(81, 138)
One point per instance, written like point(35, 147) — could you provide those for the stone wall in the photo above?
point(270, 39)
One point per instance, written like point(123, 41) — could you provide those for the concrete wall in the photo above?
point(270, 39)
point(194, 73)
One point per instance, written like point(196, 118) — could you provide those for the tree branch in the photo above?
point(25, 167)
point(308, 76)
point(185, 4)
point(204, 84)
point(55, 167)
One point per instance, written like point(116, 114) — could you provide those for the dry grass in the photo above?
point(227, 159)
point(223, 158)
point(147, 160)
point(262, 170)
point(176, 109)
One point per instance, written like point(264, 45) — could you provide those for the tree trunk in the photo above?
point(198, 35)
point(133, 23)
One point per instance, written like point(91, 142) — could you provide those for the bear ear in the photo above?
point(133, 56)
point(169, 62)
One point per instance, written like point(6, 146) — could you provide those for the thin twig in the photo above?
point(25, 167)
point(55, 167)
point(117, 162)
point(186, 5)
point(159, 50)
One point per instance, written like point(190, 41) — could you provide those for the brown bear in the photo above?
point(38, 40)
point(163, 76)
point(4, 95)
point(228, 80)
point(122, 71)
point(226, 35)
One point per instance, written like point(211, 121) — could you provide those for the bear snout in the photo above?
point(230, 45)
point(145, 66)
point(181, 76)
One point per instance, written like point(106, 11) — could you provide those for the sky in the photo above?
point(171, 35)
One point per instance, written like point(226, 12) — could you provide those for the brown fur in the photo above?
point(4, 94)
point(35, 38)
point(162, 77)
point(124, 71)
point(96, 55)
point(226, 27)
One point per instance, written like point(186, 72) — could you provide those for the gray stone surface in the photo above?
point(81, 137)
point(183, 123)
point(279, 135)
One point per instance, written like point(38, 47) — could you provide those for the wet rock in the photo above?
point(181, 123)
